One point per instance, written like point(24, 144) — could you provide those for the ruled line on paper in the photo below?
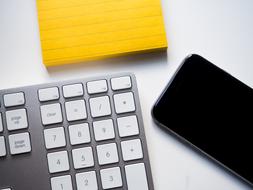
point(105, 43)
point(109, 52)
point(81, 28)
point(89, 18)
point(101, 42)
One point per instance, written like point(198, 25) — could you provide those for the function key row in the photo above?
point(73, 90)
point(76, 90)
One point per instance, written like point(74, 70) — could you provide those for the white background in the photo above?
point(219, 30)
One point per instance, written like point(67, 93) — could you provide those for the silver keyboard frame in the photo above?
point(29, 171)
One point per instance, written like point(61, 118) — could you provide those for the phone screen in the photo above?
point(213, 111)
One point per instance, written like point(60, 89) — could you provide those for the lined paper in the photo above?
point(78, 30)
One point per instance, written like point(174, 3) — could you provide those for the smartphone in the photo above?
point(212, 111)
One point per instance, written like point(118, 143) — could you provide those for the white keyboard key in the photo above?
point(73, 90)
point(100, 106)
point(107, 153)
point(61, 183)
point(16, 119)
point(14, 99)
point(1, 123)
point(131, 149)
point(54, 138)
point(48, 94)
point(58, 161)
point(79, 133)
point(98, 86)
point(83, 157)
point(111, 178)
point(124, 102)
point(136, 177)
point(128, 126)
point(76, 110)
point(2, 147)
point(86, 181)
point(6, 189)
point(103, 130)
point(20, 143)
point(51, 114)
point(121, 83)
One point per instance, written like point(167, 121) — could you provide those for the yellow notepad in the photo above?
point(78, 30)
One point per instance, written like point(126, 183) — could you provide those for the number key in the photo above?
point(87, 181)
point(107, 153)
point(82, 157)
point(61, 183)
point(54, 137)
point(111, 178)
point(79, 133)
point(58, 161)
point(103, 130)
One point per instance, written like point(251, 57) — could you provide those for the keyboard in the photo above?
point(84, 134)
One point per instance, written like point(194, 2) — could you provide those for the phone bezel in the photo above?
point(181, 138)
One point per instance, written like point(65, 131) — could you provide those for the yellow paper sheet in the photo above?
point(78, 30)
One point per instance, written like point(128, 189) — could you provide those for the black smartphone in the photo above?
point(211, 110)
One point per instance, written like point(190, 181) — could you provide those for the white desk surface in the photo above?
point(219, 30)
